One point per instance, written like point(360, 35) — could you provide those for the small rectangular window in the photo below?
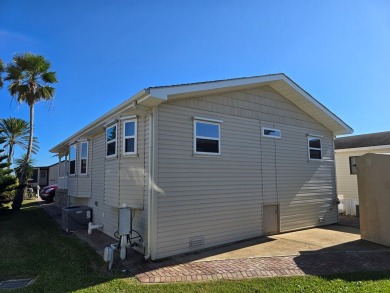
point(352, 165)
point(72, 160)
point(130, 137)
point(207, 138)
point(314, 148)
point(111, 139)
point(270, 132)
point(83, 158)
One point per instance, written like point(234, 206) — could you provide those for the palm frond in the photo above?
point(30, 79)
point(49, 77)
point(45, 92)
point(16, 133)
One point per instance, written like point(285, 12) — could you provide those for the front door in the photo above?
point(270, 219)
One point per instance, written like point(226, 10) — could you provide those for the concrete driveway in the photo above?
point(331, 238)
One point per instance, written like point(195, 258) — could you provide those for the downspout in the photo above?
point(150, 183)
point(335, 201)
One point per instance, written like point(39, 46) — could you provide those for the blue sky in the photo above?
point(106, 51)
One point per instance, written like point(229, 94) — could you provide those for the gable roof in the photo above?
point(154, 96)
point(362, 140)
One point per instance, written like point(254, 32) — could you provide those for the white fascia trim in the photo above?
point(369, 148)
point(316, 103)
point(101, 120)
point(164, 92)
point(147, 96)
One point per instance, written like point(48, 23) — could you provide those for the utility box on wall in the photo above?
point(76, 218)
point(374, 197)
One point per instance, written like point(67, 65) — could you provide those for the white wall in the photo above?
point(347, 187)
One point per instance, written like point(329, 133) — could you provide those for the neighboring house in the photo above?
point(347, 149)
point(208, 163)
point(48, 175)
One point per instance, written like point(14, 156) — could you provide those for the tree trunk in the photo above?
point(30, 139)
point(10, 154)
point(22, 190)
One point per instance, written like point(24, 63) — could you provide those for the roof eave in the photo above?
point(154, 96)
point(98, 122)
point(329, 119)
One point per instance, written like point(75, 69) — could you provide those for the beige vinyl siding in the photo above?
point(55, 171)
point(111, 175)
point(346, 182)
point(84, 181)
point(206, 196)
point(117, 181)
point(220, 198)
point(72, 179)
point(102, 213)
point(132, 169)
point(80, 185)
point(306, 189)
point(268, 166)
point(124, 174)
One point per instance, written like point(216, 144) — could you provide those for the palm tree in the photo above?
point(16, 133)
point(30, 81)
point(24, 164)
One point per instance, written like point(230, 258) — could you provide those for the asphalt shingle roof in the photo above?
point(363, 140)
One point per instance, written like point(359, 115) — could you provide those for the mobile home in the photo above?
point(347, 150)
point(204, 164)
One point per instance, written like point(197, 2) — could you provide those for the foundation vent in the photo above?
point(196, 242)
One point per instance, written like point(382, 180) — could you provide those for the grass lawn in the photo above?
point(32, 246)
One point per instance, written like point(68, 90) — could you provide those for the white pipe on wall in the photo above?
point(150, 182)
point(92, 226)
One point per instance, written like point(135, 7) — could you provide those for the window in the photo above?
point(111, 141)
point(352, 165)
point(83, 158)
point(207, 138)
point(315, 150)
point(269, 132)
point(43, 175)
point(130, 137)
point(72, 160)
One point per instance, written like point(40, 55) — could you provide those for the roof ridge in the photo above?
point(211, 81)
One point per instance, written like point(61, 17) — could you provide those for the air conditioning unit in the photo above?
point(76, 218)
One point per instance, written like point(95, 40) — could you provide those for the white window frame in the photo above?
point(311, 148)
point(212, 122)
point(113, 140)
point(83, 158)
point(272, 129)
point(75, 158)
point(130, 136)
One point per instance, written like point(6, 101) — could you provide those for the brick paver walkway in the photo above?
point(306, 264)
point(310, 263)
